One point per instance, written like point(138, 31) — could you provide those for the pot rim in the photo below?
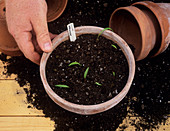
point(9, 48)
point(89, 109)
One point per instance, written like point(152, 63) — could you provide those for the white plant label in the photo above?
point(71, 32)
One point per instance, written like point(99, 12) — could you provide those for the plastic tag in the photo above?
point(71, 32)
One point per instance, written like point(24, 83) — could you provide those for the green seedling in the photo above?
point(85, 73)
point(74, 63)
point(108, 28)
point(98, 84)
point(114, 46)
point(63, 86)
point(114, 74)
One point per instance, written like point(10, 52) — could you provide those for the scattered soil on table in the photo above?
point(148, 98)
point(102, 60)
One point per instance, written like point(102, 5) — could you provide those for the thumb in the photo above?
point(43, 39)
point(42, 34)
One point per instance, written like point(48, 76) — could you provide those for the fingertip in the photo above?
point(34, 57)
point(47, 47)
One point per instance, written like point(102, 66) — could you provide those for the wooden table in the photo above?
point(15, 116)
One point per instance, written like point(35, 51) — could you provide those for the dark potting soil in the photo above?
point(148, 98)
point(102, 60)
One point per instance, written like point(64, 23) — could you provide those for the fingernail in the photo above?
point(47, 46)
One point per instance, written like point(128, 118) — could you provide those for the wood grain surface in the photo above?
point(14, 112)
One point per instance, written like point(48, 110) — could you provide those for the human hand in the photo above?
point(27, 22)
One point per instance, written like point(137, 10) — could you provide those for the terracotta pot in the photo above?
point(160, 13)
point(89, 109)
point(55, 8)
point(144, 25)
point(7, 43)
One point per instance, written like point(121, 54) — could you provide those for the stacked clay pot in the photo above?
point(145, 25)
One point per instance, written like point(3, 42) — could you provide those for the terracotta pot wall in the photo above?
point(7, 42)
point(166, 9)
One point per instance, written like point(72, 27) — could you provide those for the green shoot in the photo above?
point(114, 46)
point(108, 28)
point(114, 74)
point(74, 63)
point(98, 84)
point(85, 73)
point(63, 86)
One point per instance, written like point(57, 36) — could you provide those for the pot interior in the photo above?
point(55, 8)
point(128, 28)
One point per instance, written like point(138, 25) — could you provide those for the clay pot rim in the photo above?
point(159, 16)
point(11, 53)
point(130, 9)
point(55, 15)
point(89, 109)
point(9, 49)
